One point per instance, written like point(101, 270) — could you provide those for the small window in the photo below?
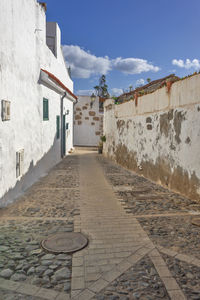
point(45, 109)
point(57, 127)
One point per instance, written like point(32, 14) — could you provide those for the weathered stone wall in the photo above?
point(159, 136)
point(88, 122)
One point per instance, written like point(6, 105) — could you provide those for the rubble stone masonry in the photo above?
point(88, 126)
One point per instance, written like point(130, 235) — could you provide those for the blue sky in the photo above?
point(128, 40)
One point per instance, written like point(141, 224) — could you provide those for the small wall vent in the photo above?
point(5, 110)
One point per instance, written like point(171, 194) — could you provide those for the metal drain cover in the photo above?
point(196, 222)
point(65, 242)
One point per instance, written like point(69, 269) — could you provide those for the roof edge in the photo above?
point(54, 78)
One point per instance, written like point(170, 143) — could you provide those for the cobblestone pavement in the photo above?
point(10, 295)
point(141, 281)
point(187, 276)
point(47, 207)
point(167, 219)
point(142, 243)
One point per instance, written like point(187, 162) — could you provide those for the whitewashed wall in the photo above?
point(88, 122)
point(159, 137)
point(23, 52)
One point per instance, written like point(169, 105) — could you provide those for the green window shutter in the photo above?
point(45, 109)
point(57, 127)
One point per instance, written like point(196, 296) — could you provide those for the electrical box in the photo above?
point(19, 162)
point(5, 110)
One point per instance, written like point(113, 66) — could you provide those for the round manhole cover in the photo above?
point(65, 242)
point(196, 222)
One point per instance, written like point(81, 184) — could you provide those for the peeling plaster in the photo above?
point(161, 135)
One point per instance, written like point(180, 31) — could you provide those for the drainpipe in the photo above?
point(74, 103)
point(61, 119)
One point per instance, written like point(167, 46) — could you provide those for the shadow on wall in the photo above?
point(34, 172)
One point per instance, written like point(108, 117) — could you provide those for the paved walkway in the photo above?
point(119, 212)
point(117, 241)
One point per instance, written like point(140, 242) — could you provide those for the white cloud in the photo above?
point(84, 92)
point(188, 64)
point(140, 82)
point(133, 65)
point(84, 64)
point(116, 91)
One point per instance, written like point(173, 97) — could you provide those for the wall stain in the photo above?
point(142, 146)
point(165, 125)
point(179, 117)
point(109, 107)
point(160, 172)
point(172, 146)
point(128, 123)
point(120, 126)
point(188, 140)
point(148, 120)
point(125, 157)
point(149, 127)
point(140, 129)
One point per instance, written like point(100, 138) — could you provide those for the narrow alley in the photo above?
point(143, 241)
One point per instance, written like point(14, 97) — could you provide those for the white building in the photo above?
point(36, 94)
point(88, 121)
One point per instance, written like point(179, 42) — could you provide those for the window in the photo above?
point(45, 109)
point(57, 127)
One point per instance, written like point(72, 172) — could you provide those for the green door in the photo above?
point(64, 136)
